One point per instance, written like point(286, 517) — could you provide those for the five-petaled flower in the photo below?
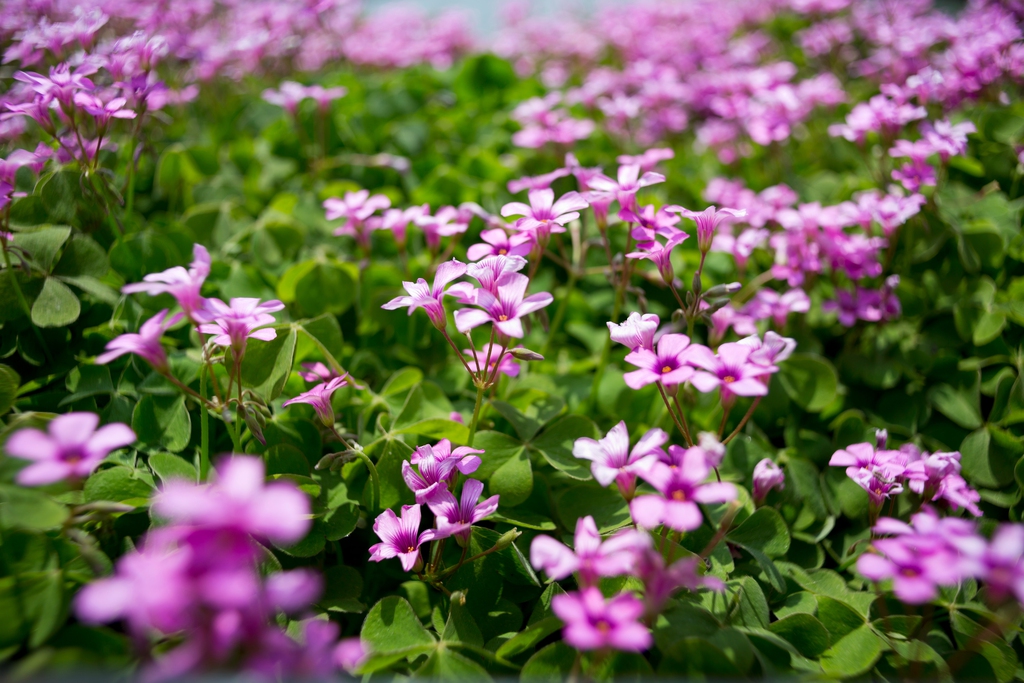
point(400, 537)
point(146, 343)
point(70, 448)
point(429, 297)
point(667, 365)
point(505, 308)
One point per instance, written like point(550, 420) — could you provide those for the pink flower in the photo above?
point(183, 285)
point(628, 183)
point(435, 474)
point(544, 215)
point(320, 398)
point(505, 309)
point(317, 372)
point(611, 460)
point(591, 623)
point(447, 222)
point(350, 653)
point(145, 344)
point(708, 221)
point(649, 247)
point(636, 332)
point(240, 499)
point(772, 350)
point(649, 159)
point(400, 537)
point(541, 182)
point(467, 459)
point(680, 483)
point(767, 476)
point(668, 365)
point(70, 448)
point(486, 357)
point(591, 557)
point(1003, 563)
point(731, 371)
point(397, 221)
point(500, 243)
point(489, 271)
point(767, 303)
point(456, 517)
point(355, 208)
point(429, 298)
point(245, 318)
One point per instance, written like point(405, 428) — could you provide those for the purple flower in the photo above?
point(591, 557)
point(499, 243)
point(680, 481)
point(320, 398)
point(767, 476)
point(317, 372)
point(611, 460)
point(485, 359)
point(240, 499)
point(660, 254)
point(489, 272)
point(668, 365)
point(102, 111)
point(70, 448)
point(455, 517)
point(350, 653)
point(448, 221)
point(355, 208)
point(880, 472)
point(731, 370)
point(145, 344)
point(235, 323)
point(591, 623)
point(400, 537)
point(429, 297)
point(707, 221)
point(540, 182)
point(544, 215)
point(636, 332)
point(183, 285)
point(649, 159)
point(504, 309)
point(467, 459)
point(1003, 562)
point(432, 478)
point(628, 183)
point(772, 350)
point(768, 303)
point(396, 221)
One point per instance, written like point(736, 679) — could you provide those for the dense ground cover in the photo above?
point(712, 363)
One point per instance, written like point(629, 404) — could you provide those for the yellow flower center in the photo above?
point(665, 370)
point(603, 626)
point(678, 495)
point(410, 549)
point(728, 379)
point(502, 252)
point(502, 317)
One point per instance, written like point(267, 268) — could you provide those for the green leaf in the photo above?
point(960, 406)
point(162, 420)
point(391, 625)
point(82, 257)
point(343, 586)
point(43, 244)
point(551, 663)
point(460, 626)
point(28, 509)
point(340, 522)
point(806, 633)
point(801, 602)
point(93, 287)
point(810, 380)
point(989, 456)
point(606, 506)
point(56, 305)
point(839, 618)
point(117, 484)
point(765, 530)
point(753, 608)
point(541, 408)
point(393, 490)
point(326, 288)
point(87, 380)
point(556, 442)
point(266, 364)
point(513, 480)
point(527, 639)
point(992, 646)
point(42, 595)
point(327, 332)
point(853, 655)
point(9, 383)
point(444, 664)
point(168, 466)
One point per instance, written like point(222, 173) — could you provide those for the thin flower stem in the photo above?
point(682, 417)
point(458, 353)
point(668, 404)
point(370, 466)
point(725, 416)
point(563, 306)
point(679, 299)
point(723, 529)
point(476, 413)
point(204, 427)
point(493, 379)
point(743, 422)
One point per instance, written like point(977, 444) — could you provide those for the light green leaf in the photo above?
point(266, 364)
point(162, 420)
point(806, 633)
point(853, 655)
point(960, 406)
point(556, 442)
point(168, 466)
point(391, 625)
point(9, 383)
point(810, 380)
point(56, 305)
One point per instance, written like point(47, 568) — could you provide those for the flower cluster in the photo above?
point(431, 473)
point(932, 552)
point(197, 581)
point(593, 622)
point(935, 477)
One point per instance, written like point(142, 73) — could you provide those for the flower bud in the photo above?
point(525, 354)
point(696, 286)
point(881, 438)
point(506, 539)
point(716, 305)
point(253, 424)
point(723, 290)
